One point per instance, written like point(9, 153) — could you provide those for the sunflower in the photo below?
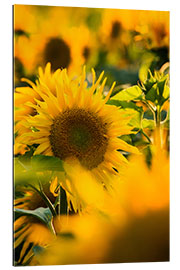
point(42, 48)
point(25, 19)
point(84, 49)
point(143, 196)
point(25, 23)
point(153, 28)
point(75, 124)
point(115, 26)
point(53, 42)
point(114, 34)
point(30, 231)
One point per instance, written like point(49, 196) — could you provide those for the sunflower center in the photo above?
point(116, 28)
point(86, 52)
point(81, 134)
point(58, 53)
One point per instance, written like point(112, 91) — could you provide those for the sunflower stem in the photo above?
point(47, 200)
point(159, 139)
point(151, 108)
point(145, 135)
point(51, 227)
point(158, 116)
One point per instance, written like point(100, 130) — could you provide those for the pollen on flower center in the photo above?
point(81, 134)
point(58, 53)
point(116, 28)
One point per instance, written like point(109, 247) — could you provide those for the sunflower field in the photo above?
point(91, 135)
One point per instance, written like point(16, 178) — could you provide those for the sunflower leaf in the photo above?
point(23, 172)
point(41, 213)
point(131, 93)
point(40, 163)
point(148, 123)
point(124, 104)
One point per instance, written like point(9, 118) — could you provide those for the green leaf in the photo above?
point(155, 88)
point(126, 138)
point(152, 93)
point(27, 168)
point(23, 173)
point(131, 93)
point(124, 104)
point(136, 120)
point(41, 213)
point(37, 250)
point(166, 92)
point(41, 163)
point(148, 123)
point(146, 61)
point(161, 85)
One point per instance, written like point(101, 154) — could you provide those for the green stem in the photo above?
point(145, 135)
point(151, 108)
point(51, 227)
point(158, 116)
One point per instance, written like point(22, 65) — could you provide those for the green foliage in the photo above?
point(124, 104)
point(41, 213)
point(148, 123)
point(153, 92)
point(131, 93)
point(28, 169)
point(41, 163)
point(156, 88)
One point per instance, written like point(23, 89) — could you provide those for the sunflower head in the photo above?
point(57, 52)
point(73, 122)
point(80, 133)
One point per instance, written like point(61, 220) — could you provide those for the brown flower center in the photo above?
point(57, 53)
point(116, 29)
point(86, 52)
point(81, 134)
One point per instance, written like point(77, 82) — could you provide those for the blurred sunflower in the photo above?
point(85, 47)
point(59, 44)
point(42, 48)
point(115, 24)
point(81, 240)
point(29, 231)
point(153, 28)
point(145, 187)
point(91, 240)
point(74, 123)
point(115, 35)
point(25, 19)
point(25, 22)
point(141, 235)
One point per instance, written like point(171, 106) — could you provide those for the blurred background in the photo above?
point(124, 43)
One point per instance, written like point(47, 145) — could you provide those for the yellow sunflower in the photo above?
point(42, 48)
point(115, 26)
point(75, 124)
point(54, 42)
point(29, 231)
point(143, 197)
point(153, 28)
point(84, 49)
point(25, 19)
